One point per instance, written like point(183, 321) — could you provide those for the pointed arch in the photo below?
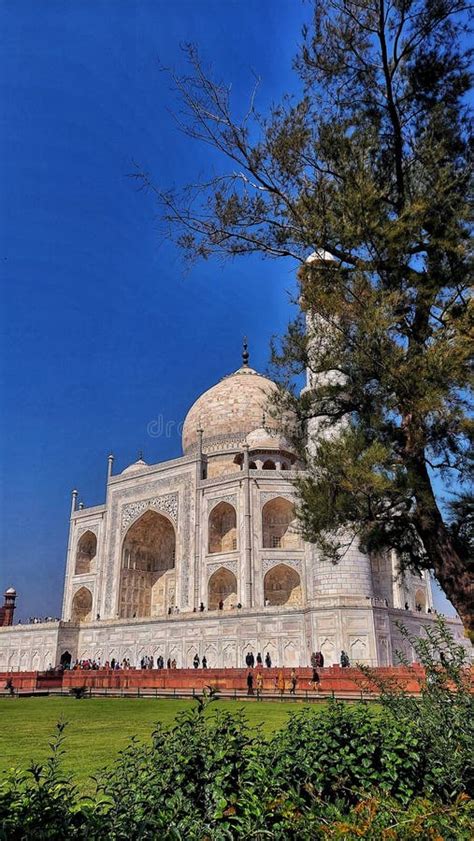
point(222, 528)
point(279, 525)
point(147, 578)
point(82, 605)
point(420, 600)
point(269, 464)
point(222, 587)
point(282, 585)
point(85, 553)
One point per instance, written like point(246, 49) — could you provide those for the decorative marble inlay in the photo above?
point(83, 529)
point(230, 498)
point(167, 503)
point(230, 565)
point(268, 563)
point(268, 495)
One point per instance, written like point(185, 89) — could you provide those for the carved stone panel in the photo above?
point(168, 503)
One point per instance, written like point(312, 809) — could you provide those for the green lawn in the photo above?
point(99, 727)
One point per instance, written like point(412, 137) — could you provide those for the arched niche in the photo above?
point(222, 588)
point(282, 585)
point(85, 553)
point(222, 528)
point(280, 529)
point(269, 464)
point(420, 600)
point(147, 578)
point(82, 605)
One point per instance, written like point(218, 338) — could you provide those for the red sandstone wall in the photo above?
point(333, 679)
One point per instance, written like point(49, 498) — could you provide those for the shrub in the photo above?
point(403, 771)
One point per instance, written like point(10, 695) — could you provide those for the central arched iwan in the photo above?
point(147, 576)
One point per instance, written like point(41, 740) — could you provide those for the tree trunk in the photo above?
point(454, 573)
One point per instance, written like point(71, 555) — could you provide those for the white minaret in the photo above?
point(352, 576)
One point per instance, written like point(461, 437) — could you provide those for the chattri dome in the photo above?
point(137, 465)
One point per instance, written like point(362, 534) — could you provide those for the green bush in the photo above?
point(402, 771)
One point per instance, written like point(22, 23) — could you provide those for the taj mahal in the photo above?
point(202, 554)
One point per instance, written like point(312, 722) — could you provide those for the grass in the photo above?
point(98, 728)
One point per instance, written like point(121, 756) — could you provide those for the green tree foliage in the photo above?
point(402, 771)
point(370, 164)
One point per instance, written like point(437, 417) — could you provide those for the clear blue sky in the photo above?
point(103, 330)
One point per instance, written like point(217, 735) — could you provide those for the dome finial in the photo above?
point(245, 352)
point(140, 455)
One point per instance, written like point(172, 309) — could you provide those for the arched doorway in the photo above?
point(82, 606)
point(222, 587)
point(147, 579)
point(85, 553)
point(269, 465)
point(282, 585)
point(65, 659)
point(280, 529)
point(222, 528)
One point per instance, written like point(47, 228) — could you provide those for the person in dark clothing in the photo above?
point(168, 663)
point(250, 683)
point(221, 605)
point(293, 682)
point(252, 660)
point(247, 659)
point(268, 660)
point(345, 663)
point(314, 660)
point(259, 659)
point(201, 607)
point(315, 679)
point(196, 661)
point(320, 660)
point(204, 663)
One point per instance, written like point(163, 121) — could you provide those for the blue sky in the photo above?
point(103, 329)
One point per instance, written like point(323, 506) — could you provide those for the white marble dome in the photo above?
point(228, 411)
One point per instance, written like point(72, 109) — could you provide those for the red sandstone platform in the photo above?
point(189, 681)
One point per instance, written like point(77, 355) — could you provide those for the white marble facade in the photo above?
point(217, 526)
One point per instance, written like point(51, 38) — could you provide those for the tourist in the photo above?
point(112, 663)
point(314, 660)
point(314, 682)
point(320, 659)
point(168, 663)
point(250, 683)
point(345, 662)
point(173, 664)
point(268, 660)
point(259, 659)
point(267, 602)
point(293, 682)
point(201, 607)
point(204, 662)
point(196, 661)
point(259, 683)
point(407, 607)
point(221, 605)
